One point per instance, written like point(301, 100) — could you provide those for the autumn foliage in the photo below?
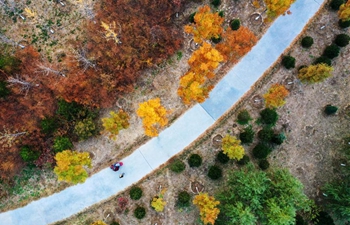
point(344, 11)
point(207, 207)
point(153, 116)
point(232, 147)
point(315, 73)
point(115, 123)
point(277, 7)
point(275, 96)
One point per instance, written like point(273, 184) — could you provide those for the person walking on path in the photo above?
point(115, 167)
point(121, 175)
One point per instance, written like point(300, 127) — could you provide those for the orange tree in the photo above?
point(207, 25)
point(115, 123)
point(70, 166)
point(153, 115)
point(232, 147)
point(275, 96)
point(344, 11)
point(277, 7)
point(315, 73)
point(207, 207)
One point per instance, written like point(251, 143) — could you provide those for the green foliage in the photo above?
point(278, 139)
point(243, 117)
point(307, 42)
point(222, 157)
point(244, 161)
point(266, 134)
point(114, 223)
point(269, 116)
point(195, 160)
point(288, 62)
point(221, 14)
point(178, 166)
point(135, 193)
point(247, 136)
point(216, 40)
point(70, 110)
point(214, 172)
point(299, 220)
point(330, 109)
point(344, 24)
point(183, 199)
point(28, 154)
point(8, 63)
point(323, 59)
point(342, 40)
point(191, 17)
point(323, 218)
point(116, 122)
point(261, 151)
point(331, 51)
point(140, 212)
point(85, 129)
point(335, 4)
point(4, 90)
point(216, 3)
point(62, 143)
point(235, 24)
point(264, 164)
point(49, 125)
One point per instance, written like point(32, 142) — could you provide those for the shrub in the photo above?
point(243, 117)
point(49, 125)
point(342, 40)
point(307, 42)
point(114, 223)
point(344, 24)
point(216, 40)
point(191, 17)
point(85, 129)
point(183, 199)
point(221, 14)
point(235, 24)
point(69, 110)
point(140, 212)
point(28, 154)
point(323, 59)
point(4, 90)
point(195, 160)
point(261, 151)
point(9, 64)
point(178, 166)
point(247, 135)
point(269, 116)
point(265, 134)
point(330, 109)
point(335, 4)
point(278, 139)
point(299, 220)
point(244, 161)
point(214, 172)
point(222, 157)
point(323, 218)
point(135, 193)
point(264, 164)
point(62, 143)
point(331, 51)
point(288, 62)
point(216, 3)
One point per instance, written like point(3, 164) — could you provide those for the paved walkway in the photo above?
point(180, 134)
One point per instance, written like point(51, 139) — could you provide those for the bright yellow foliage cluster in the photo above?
point(109, 31)
point(115, 123)
point(207, 207)
point(277, 7)
point(232, 147)
point(315, 73)
point(153, 114)
point(207, 25)
point(344, 11)
point(158, 202)
point(70, 166)
point(30, 13)
point(99, 222)
point(275, 96)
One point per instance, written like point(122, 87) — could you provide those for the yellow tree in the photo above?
point(207, 25)
point(277, 7)
point(70, 166)
point(275, 96)
point(344, 11)
point(207, 207)
point(232, 147)
point(153, 115)
point(315, 73)
point(99, 222)
point(115, 123)
point(158, 202)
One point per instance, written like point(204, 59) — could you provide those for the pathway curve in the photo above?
point(180, 134)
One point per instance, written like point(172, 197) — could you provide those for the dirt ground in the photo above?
point(309, 152)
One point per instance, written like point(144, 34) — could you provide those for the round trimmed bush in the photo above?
point(216, 40)
point(288, 62)
point(222, 157)
point(335, 4)
point(330, 110)
point(269, 116)
point(243, 117)
point(28, 154)
point(235, 24)
point(307, 42)
point(178, 166)
point(214, 172)
point(264, 164)
point(244, 161)
point(216, 3)
point(183, 199)
point(140, 212)
point(135, 193)
point(331, 51)
point(4, 91)
point(62, 143)
point(195, 160)
point(265, 134)
point(247, 136)
point(342, 40)
point(344, 24)
point(221, 14)
point(191, 17)
point(323, 59)
point(278, 139)
point(261, 151)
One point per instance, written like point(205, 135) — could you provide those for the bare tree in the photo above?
point(25, 85)
point(81, 56)
point(48, 70)
point(7, 137)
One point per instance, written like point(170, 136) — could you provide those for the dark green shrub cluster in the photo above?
point(221, 14)
point(344, 24)
point(261, 151)
point(299, 220)
point(288, 62)
point(342, 40)
point(330, 110)
point(264, 164)
point(335, 4)
point(214, 172)
point(49, 125)
point(266, 134)
point(307, 42)
point(323, 59)
point(28, 154)
point(140, 212)
point(135, 193)
point(323, 218)
point(85, 128)
point(183, 199)
point(243, 117)
point(216, 40)
point(235, 24)
point(331, 51)
point(222, 157)
point(178, 166)
point(195, 160)
point(4, 90)
point(9, 64)
point(278, 139)
point(216, 3)
point(269, 116)
point(247, 136)
point(62, 143)
point(114, 223)
point(191, 17)
point(70, 110)
point(244, 161)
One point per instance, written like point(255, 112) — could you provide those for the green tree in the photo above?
point(62, 143)
point(85, 128)
point(4, 90)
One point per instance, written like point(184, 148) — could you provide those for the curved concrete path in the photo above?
point(180, 134)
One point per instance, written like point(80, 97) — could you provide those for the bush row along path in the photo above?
point(180, 134)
